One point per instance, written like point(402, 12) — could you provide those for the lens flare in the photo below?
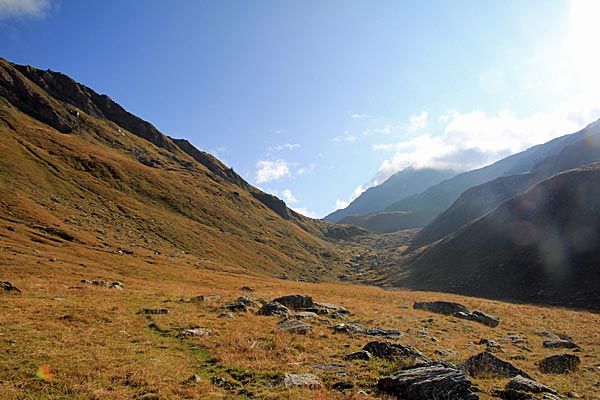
point(44, 372)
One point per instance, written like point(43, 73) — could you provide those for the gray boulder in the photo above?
point(354, 328)
point(528, 385)
point(440, 307)
point(293, 326)
point(488, 365)
point(296, 301)
point(274, 308)
point(395, 351)
point(559, 364)
point(359, 355)
point(433, 381)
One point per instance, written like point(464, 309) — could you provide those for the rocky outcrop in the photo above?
point(433, 381)
point(354, 328)
point(293, 326)
point(528, 385)
point(481, 317)
point(560, 344)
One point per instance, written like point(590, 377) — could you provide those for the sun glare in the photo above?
point(583, 33)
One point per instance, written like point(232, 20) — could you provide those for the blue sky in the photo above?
point(316, 100)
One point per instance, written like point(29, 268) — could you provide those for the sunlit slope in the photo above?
point(86, 180)
point(541, 246)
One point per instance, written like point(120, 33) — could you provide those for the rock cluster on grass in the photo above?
point(154, 311)
point(434, 381)
point(118, 285)
point(457, 310)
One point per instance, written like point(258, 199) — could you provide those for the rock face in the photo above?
point(296, 301)
point(428, 382)
point(395, 351)
point(440, 307)
point(293, 326)
point(8, 287)
point(274, 308)
point(486, 364)
point(560, 364)
point(560, 344)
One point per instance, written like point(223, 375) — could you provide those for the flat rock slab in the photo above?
point(528, 385)
point(560, 344)
point(560, 364)
point(486, 364)
point(480, 317)
point(293, 326)
point(195, 332)
point(301, 380)
point(440, 307)
point(395, 351)
point(353, 328)
point(296, 301)
point(428, 382)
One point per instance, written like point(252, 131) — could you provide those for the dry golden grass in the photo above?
point(95, 344)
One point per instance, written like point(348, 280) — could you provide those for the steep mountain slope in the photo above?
point(78, 170)
point(540, 246)
point(425, 206)
point(400, 185)
point(478, 200)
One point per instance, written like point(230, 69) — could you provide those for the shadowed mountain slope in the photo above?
point(478, 200)
point(78, 169)
point(400, 185)
point(425, 206)
point(540, 246)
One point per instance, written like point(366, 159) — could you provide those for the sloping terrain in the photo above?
point(402, 184)
point(478, 200)
point(78, 170)
point(540, 246)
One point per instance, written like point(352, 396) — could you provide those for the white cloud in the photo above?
point(362, 116)
point(475, 139)
point(311, 167)
point(304, 211)
point(416, 122)
point(346, 137)
point(24, 8)
point(288, 196)
point(340, 204)
point(267, 171)
point(285, 146)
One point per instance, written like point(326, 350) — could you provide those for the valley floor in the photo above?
point(61, 338)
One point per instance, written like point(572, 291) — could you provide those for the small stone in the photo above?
point(226, 315)
point(195, 332)
point(246, 289)
point(301, 380)
point(8, 287)
point(341, 386)
point(193, 379)
point(274, 308)
point(305, 315)
point(155, 311)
